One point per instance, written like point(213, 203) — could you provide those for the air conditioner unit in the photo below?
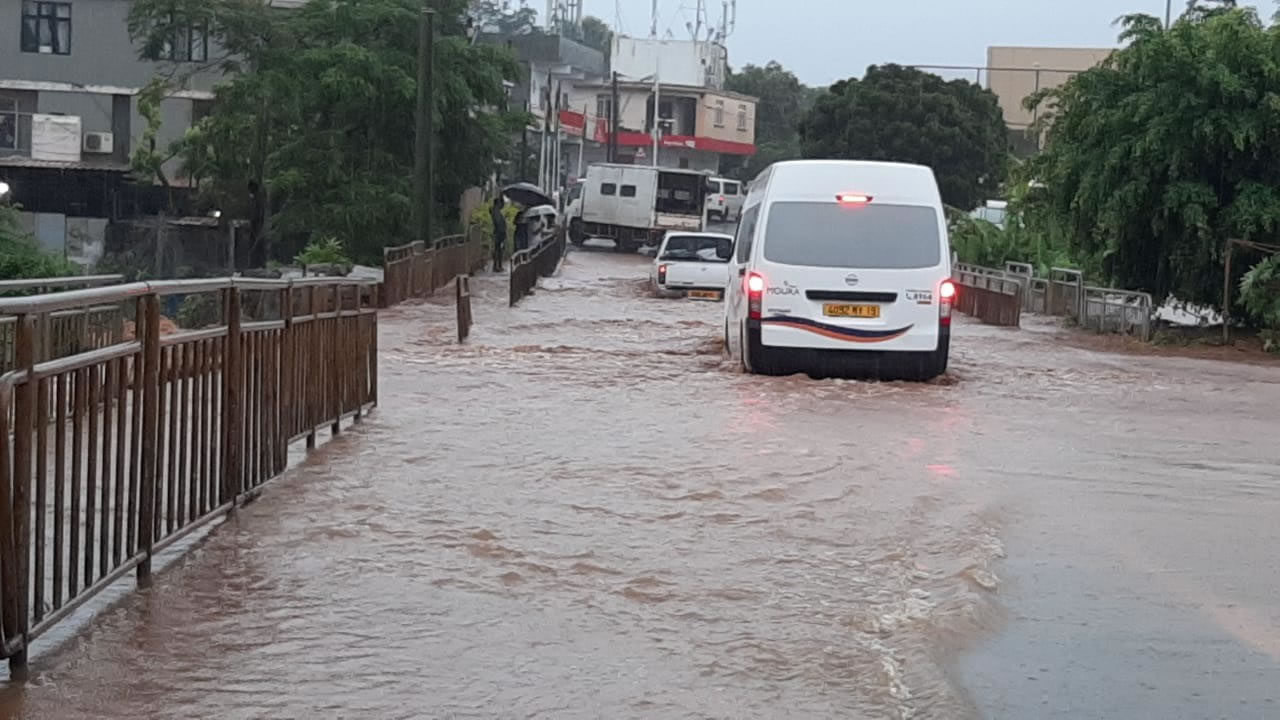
point(99, 142)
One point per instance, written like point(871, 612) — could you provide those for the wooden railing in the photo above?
point(416, 271)
point(528, 265)
point(72, 331)
point(111, 454)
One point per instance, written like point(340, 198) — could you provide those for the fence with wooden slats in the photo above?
point(109, 455)
point(72, 331)
point(528, 265)
point(416, 271)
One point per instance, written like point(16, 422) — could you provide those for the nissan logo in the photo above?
point(850, 279)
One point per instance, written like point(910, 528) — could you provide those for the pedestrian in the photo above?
point(499, 232)
point(522, 231)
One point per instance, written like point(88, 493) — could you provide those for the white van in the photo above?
point(724, 199)
point(841, 267)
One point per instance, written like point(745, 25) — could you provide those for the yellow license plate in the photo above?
point(705, 294)
point(865, 312)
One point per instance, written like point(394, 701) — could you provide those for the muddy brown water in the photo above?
point(585, 512)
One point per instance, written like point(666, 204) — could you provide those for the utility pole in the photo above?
point(614, 124)
point(1168, 14)
point(657, 100)
point(424, 135)
point(653, 23)
point(582, 146)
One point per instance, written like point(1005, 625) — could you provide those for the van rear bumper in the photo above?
point(805, 334)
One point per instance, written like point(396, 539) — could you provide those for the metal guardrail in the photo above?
point(993, 296)
point(1065, 292)
point(109, 455)
point(1107, 310)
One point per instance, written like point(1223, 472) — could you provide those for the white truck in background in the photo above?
point(635, 205)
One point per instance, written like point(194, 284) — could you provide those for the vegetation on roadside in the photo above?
point(1161, 154)
point(20, 256)
point(1260, 297)
point(312, 133)
point(324, 251)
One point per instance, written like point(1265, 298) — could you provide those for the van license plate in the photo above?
point(867, 312)
point(705, 294)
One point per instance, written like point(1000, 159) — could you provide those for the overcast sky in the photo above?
point(825, 40)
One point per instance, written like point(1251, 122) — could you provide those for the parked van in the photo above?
point(724, 199)
point(841, 267)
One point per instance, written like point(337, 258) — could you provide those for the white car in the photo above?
point(842, 266)
point(724, 202)
point(694, 265)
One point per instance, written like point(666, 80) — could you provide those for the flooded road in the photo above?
point(585, 512)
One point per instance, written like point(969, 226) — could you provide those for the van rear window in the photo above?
point(826, 234)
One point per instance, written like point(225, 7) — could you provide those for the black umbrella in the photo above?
point(527, 194)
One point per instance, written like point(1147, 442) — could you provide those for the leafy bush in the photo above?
point(480, 217)
point(20, 256)
point(983, 243)
point(324, 251)
point(1260, 297)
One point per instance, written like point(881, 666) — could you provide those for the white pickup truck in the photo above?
point(693, 265)
point(635, 205)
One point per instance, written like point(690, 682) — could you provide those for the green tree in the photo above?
point(783, 101)
point(906, 115)
point(1158, 156)
point(313, 137)
point(502, 17)
point(597, 34)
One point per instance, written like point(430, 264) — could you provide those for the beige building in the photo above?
point(698, 124)
point(1014, 73)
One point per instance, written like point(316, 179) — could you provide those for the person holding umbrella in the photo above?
point(499, 232)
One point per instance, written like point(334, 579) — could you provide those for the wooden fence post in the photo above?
point(150, 423)
point(232, 400)
point(24, 354)
point(285, 412)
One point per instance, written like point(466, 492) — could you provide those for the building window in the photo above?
point(742, 118)
point(719, 115)
point(8, 124)
point(46, 28)
point(189, 43)
point(628, 191)
point(604, 107)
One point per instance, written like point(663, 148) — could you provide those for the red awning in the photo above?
point(574, 123)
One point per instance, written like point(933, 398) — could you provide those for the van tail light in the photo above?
point(755, 294)
point(662, 274)
point(722, 200)
point(947, 295)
